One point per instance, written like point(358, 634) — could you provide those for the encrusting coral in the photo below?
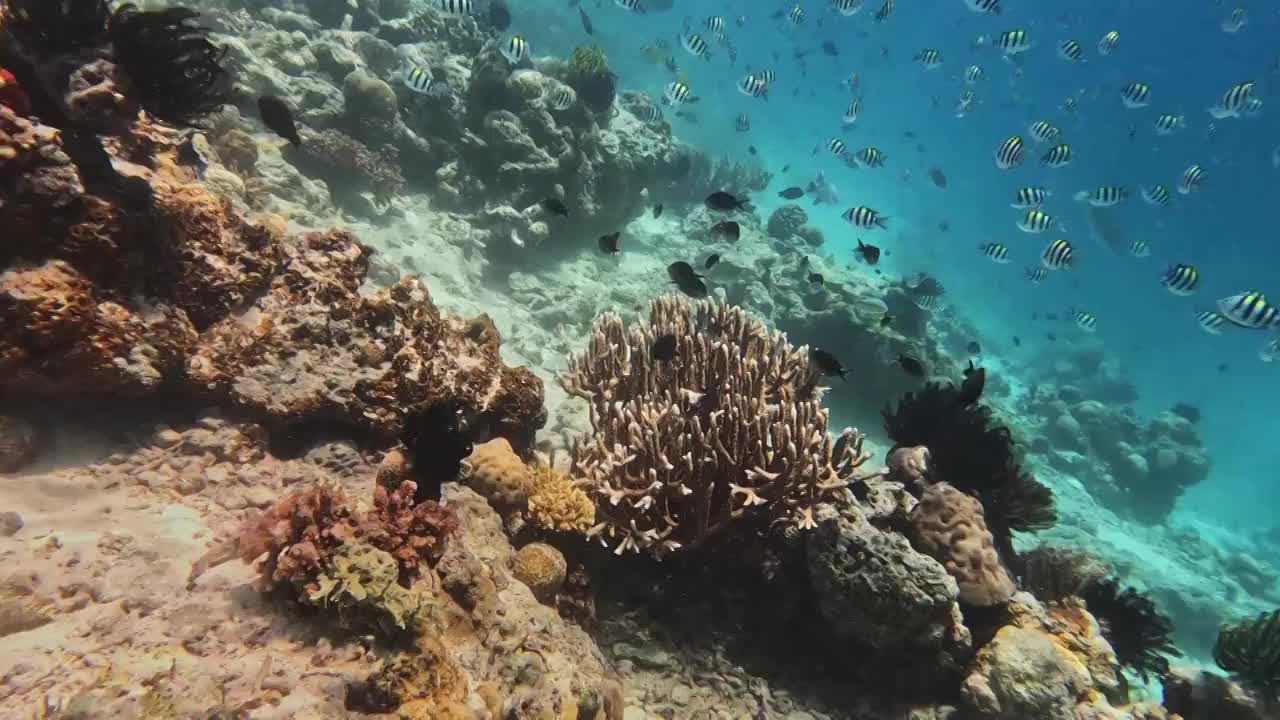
point(1250, 650)
point(730, 431)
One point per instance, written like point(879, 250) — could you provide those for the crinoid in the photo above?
point(1054, 574)
point(974, 453)
point(1139, 633)
point(176, 72)
point(1250, 650)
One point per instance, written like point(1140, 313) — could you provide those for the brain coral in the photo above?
point(542, 568)
point(948, 525)
point(497, 473)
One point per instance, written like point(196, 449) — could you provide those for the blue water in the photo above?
point(1227, 229)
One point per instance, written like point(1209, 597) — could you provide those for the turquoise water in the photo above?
point(1226, 229)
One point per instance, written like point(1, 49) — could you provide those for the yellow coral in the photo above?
point(555, 503)
point(497, 473)
point(542, 568)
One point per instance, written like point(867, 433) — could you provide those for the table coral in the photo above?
point(733, 432)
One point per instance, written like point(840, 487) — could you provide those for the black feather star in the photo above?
point(1139, 633)
point(1250, 650)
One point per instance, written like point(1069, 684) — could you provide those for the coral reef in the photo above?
point(791, 221)
point(739, 415)
point(18, 443)
point(948, 526)
point(1054, 574)
point(347, 166)
point(1249, 650)
point(1197, 694)
point(542, 568)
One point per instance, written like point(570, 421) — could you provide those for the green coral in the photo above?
point(589, 60)
point(1251, 650)
point(362, 586)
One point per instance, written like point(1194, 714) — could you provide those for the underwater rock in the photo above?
point(10, 523)
point(18, 444)
point(909, 466)
point(367, 96)
point(949, 526)
point(873, 588)
point(1198, 694)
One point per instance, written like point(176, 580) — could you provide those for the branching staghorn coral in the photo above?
point(731, 429)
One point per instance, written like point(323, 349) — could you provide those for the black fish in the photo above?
point(1223, 367)
point(711, 261)
point(911, 366)
point(555, 207)
point(975, 379)
point(681, 270)
point(869, 253)
point(938, 178)
point(886, 321)
point(816, 280)
point(826, 363)
point(693, 287)
point(792, 193)
point(1017, 341)
point(609, 243)
point(664, 348)
point(278, 118)
point(974, 348)
point(727, 230)
point(586, 22)
point(830, 48)
point(722, 200)
point(657, 211)
point(751, 149)
point(1051, 337)
point(786, 168)
point(1051, 316)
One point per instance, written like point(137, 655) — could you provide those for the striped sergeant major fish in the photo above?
point(515, 49)
point(1169, 123)
point(1249, 309)
point(885, 11)
point(999, 254)
point(1044, 131)
point(847, 7)
point(991, 7)
point(1181, 279)
point(1057, 255)
point(676, 94)
point(1013, 42)
point(1157, 195)
point(753, 86)
point(864, 217)
point(1010, 153)
point(1035, 221)
point(1135, 95)
point(456, 7)
point(1233, 101)
point(634, 6)
point(1192, 179)
point(1032, 196)
point(1109, 43)
point(743, 123)
point(695, 45)
point(1070, 50)
point(419, 80)
point(1211, 321)
point(1103, 195)
point(1058, 156)
point(1086, 321)
point(1037, 275)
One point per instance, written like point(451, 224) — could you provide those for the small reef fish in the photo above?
point(864, 217)
point(974, 74)
point(847, 7)
point(1043, 131)
point(974, 349)
point(657, 211)
point(1211, 321)
point(1070, 50)
point(975, 381)
point(728, 230)
point(743, 123)
point(456, 7)
point(1235, 22)
point(1139, 249)
point(1192, 179)
point(1013, 42)
point(278, 118)
point(1169, 123)
point(1181, 279)
point(931, 58)
point(990, 7)
point(515, 49)
point(1037, 275)
point(885, 10)
point(609, 243)
point(1086, 321)
point(1135, 95)
point(938, 177)
point(822, 192)
point(712, 261)
point(870, 254)
point(676, 94)
point(1103, 195)
point(562, 99)
point(634, 6)
point(695, 45)
point(1109, 43)
point(725, 202)
point(851, 115)
point(686, 280)
point(998, 253)
point(419, 80)
point(1030, 197)
point(792, 193)
point(753, 86)
point(835, 146)
point(1249, 309)
point(1233, 101)
point(1035, 221)
point(1057, 255)
point(796, 16)
point(1010, 153)
point(871, 157)
point(1157, 194)
point(826, 364)
point(1058, 156)
point(587, 27)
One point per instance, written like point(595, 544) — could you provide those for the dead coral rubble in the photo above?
point(680, 451)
